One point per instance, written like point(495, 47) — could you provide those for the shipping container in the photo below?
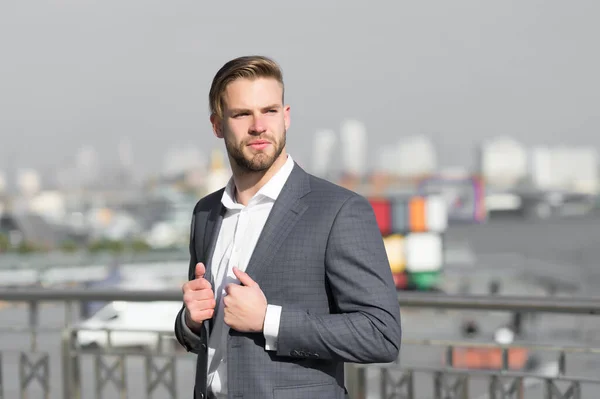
point(416, 260)
point(414, 214)
point(394, 246)
point(424, 252)
point(383, 214)
point(400, 280)
point(412, 228)
point(424, 281)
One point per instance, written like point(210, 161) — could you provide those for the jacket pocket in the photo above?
point(314, 391)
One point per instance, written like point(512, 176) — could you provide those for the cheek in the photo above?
point(232, 135)
point(277, 126)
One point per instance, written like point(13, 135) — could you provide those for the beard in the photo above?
point(258, 162)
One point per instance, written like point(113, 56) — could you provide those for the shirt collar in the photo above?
point(270, 190)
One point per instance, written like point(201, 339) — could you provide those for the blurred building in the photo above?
point(416, 157)
point(28, 181)
point(2, 183)
point(353, 136)
point(324, 142)
point(503, 162)
point(218, 174)
point(571, 168)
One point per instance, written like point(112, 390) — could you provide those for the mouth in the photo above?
point(259, 144)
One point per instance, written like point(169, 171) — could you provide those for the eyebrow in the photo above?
point(240, 110)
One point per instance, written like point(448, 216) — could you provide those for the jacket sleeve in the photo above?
point(366, 325)
point(192, 341)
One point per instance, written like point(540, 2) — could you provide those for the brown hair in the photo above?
point(247, 67)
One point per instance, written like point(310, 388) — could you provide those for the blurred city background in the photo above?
point(472, 127)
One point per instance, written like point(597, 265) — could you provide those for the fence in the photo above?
point(55, 364)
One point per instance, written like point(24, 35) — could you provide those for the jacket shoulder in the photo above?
point(335, 194)
point(209, 201)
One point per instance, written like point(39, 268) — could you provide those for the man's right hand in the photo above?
point(199, 299)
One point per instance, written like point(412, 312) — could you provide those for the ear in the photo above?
point(217, 125)
point(286, 116)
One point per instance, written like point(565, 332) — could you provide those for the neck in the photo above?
point(248, 183)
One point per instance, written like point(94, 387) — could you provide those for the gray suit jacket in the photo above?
point(321, 257)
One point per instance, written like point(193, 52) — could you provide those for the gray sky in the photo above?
point(83, 72)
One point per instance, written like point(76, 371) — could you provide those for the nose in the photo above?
point(258, 126)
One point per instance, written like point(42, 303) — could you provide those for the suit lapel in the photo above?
point(286, 212)
point(211, 233)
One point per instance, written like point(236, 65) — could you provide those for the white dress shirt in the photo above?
point(239, 233)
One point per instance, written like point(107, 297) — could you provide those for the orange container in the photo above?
point(417, 214)
point(489, 358)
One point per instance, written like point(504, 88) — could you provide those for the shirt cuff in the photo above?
point(186, 328)
point(271, 327)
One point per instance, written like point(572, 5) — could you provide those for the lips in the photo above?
point(259, 145)
point(258, 142)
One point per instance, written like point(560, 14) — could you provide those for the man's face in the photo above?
point(254, 123)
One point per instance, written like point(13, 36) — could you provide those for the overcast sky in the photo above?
point(83, 72)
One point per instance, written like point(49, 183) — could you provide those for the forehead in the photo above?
point(250, 93)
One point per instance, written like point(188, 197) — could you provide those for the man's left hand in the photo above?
point(245, 305)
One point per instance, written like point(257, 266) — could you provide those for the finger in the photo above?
point(200, 270)
point(200, 316)
point(230, 288)
point(227, 317)
point(199, 284)
point(244, 278)
point(191, 296)
point(233, 289)
point(201, 305)
point(194, 285)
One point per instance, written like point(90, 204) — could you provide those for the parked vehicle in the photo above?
point(130, 325)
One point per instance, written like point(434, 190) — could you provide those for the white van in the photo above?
point(132, 325)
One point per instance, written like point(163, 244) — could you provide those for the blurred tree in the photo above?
point(4, 243)
point(69, 246)
point(106, 245)
point(25, 247)
point(139, 245)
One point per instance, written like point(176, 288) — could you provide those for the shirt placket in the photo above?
point(234, 259)
point(238, 240)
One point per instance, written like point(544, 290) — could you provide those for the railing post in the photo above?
point(66, 363)
point(33, 323)
point(70, 366)
point(1, 384)
point(68, 313)
point(356, 381)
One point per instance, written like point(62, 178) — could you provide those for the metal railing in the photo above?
point(51, 370)
point(449, 381)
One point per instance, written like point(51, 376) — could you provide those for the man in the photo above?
point(289, 276)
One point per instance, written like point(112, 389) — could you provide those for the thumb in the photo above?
point(244, 278)
point(200, 270)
